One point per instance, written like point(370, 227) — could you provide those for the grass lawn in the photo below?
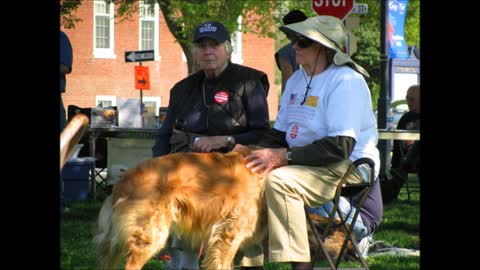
point(399, 227)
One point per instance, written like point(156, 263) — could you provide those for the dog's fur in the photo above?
point(203, 197)
point(333, 242)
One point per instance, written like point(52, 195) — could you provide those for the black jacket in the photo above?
point(234, 103)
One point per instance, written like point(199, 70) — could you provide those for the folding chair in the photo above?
point(411, 158)
point(360, 192)
point(101, 163)
point(407, 163)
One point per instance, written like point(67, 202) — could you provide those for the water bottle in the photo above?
point(390, 118)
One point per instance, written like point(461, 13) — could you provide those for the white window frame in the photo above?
point(237, 56)
point(112, 99)
point(101, 52)
point(156, 99)
point(155, 19)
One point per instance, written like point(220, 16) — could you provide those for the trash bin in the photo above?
point(75, 176)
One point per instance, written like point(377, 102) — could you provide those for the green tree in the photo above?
point(183, 15)
point(67, 13)
point(368, 35)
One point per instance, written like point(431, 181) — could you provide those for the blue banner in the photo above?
point(397, 11)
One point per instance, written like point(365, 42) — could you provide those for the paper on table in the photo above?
point(129, 115)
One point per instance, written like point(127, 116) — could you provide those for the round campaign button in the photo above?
point(294, 132)
point(221, 97)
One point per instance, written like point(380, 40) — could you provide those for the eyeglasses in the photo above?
point(301, 41)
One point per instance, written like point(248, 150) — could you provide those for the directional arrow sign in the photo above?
point(139, 56)
point(142, 78)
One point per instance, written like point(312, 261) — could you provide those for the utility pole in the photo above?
point(384, 97)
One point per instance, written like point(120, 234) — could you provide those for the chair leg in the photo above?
point(408, 189)
point(319, 241)
point(349, 237)
point(102, 183)
point(357, 251)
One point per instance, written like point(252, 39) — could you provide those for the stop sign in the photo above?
point(337, 8)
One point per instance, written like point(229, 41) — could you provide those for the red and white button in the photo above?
point(221, 97)
point(294, 132)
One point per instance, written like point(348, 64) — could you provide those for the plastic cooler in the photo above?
point(75, 176)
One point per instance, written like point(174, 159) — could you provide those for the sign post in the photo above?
point(142, 75)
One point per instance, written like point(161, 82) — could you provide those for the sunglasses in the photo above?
point(302, 42)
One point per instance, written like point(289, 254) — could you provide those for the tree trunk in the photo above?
point(174, 28)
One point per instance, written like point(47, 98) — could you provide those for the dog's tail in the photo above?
point(130, 229)
point(107, 251)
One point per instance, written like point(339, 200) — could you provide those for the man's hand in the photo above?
point(209, 143)
point(267, 159)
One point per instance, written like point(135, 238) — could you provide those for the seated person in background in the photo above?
point(212, 110)
point(406, 154)
point(285, 56)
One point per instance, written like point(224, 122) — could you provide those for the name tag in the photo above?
point(311, 101)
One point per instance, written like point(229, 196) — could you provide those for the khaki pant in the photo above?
point(288, 190)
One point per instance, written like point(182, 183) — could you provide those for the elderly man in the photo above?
point(325, 123)
point(212, 110)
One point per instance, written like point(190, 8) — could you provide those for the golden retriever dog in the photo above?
point(209, 198)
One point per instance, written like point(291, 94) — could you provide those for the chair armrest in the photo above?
point(368, 161)
point(349, 190)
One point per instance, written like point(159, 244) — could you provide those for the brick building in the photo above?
point(101, 75)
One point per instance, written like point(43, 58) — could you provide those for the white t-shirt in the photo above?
point(338, 104)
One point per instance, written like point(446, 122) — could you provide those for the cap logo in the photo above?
point(207, 28)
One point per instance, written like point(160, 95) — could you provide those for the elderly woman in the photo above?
point(212, 110)
point(325, 123)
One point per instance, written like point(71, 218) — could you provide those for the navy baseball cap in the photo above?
point(212, 29)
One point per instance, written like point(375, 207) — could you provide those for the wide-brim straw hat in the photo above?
point(328, 31)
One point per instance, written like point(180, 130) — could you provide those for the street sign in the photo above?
point(142, 78)
point(139, 56)
point(337, 8)
point(360, 8)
